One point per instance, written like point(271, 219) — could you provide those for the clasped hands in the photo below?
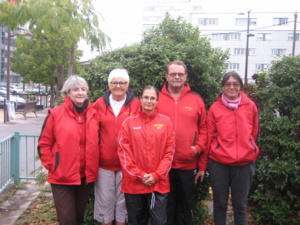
point(148, 179)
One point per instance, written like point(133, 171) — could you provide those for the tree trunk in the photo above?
point(71, 60)
point(59, 76)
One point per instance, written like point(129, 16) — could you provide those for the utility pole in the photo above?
point(294, 35)
point(247, 49)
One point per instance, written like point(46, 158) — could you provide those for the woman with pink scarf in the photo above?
point(232, 125)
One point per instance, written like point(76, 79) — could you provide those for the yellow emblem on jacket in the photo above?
point(158, 126)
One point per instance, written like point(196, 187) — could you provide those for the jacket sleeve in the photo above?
point(211, 129)
point(46, 142)
point(201, 141)
point(165, 164)
point(126, 156)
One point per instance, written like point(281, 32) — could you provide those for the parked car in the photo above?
point(12, 89)
point(15, 98)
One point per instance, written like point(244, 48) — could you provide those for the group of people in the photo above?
point(144, 156)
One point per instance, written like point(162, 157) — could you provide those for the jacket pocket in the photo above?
point(184, 151)
point(56, 160)
point(253, 145)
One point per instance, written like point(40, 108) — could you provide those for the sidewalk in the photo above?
point(11, 209)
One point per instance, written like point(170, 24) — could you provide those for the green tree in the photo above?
point(64, 20)
point(174, 39)
point(276, 194)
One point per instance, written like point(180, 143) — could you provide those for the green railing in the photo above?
point(18, 159)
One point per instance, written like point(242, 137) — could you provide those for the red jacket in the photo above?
point(146, 145)
point(188, 115)
point(110, 126)
point(232, 134)
point(61, 148)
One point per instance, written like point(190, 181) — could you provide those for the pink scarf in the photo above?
point(231, 104)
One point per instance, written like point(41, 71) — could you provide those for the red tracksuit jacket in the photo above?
point(110, 126)
point(60, 145)
point(232, 134)
point(188, 115)
point(146, 145)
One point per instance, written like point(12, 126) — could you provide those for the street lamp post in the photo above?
point(247, 47)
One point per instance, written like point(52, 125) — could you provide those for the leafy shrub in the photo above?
point(276, 194)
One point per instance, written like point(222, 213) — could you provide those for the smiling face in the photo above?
point(148, 101)
point(231, 88)
point(176, 76)
point(78, 94)
point(118, 87)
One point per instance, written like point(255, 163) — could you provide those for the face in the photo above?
point(232, 88)
point(176, 76)
point(78, 94)
point(148, 101)
point(118, 88)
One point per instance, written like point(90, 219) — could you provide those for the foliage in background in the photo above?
point(66, 21)
point(174, 39)
point(276, 194)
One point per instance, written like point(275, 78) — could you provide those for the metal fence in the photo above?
point(18, 159)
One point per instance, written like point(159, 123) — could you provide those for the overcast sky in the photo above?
point(122, 19)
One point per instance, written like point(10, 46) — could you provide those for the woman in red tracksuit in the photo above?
point(232, 125)
point(146, 149)
point(69, 149)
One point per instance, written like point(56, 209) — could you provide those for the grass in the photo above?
point(40, 212)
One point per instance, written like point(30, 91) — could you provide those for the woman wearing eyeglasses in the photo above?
point(231, 151)
point(117, 104)
point(146, 149)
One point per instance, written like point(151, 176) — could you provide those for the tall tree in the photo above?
point(65, 20)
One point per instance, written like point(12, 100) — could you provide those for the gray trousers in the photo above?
point(239, 179)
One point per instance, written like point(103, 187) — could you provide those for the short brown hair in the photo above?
point(177, 62)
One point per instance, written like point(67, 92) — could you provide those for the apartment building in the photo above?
point(270, 34)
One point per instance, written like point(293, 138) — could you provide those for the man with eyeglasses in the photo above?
point(187, 111)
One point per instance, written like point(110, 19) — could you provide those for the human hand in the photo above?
point(194, 149)
point(199, 175)
point(148, 180)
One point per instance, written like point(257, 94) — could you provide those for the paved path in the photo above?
point(11, 209)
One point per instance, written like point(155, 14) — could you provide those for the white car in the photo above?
point(15, 98)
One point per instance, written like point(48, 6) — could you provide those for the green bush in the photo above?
point(276, 193)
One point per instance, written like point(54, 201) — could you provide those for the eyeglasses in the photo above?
point(147, 98)
point(176, 74)
point(122, 84)
point(233, 84)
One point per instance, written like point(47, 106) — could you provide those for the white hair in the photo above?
point(118, 73)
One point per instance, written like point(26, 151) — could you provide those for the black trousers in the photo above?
point(139, 208)
point(70, 202)
point(181, 197)
point(239, 180)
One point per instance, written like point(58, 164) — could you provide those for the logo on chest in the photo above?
point(158, 126)
point(189, 108)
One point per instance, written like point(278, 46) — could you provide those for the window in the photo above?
point(261, 67)
point(244, 21)
point(242, 51)
point(196, 7)
point(278, 51)
point(280, 21)
point(233, 66)
point(264, 37)
point(291, 37)
point(226, 37)
point(149, 9)
point(208, 21)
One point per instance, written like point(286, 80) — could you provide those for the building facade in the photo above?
point(270, 34)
